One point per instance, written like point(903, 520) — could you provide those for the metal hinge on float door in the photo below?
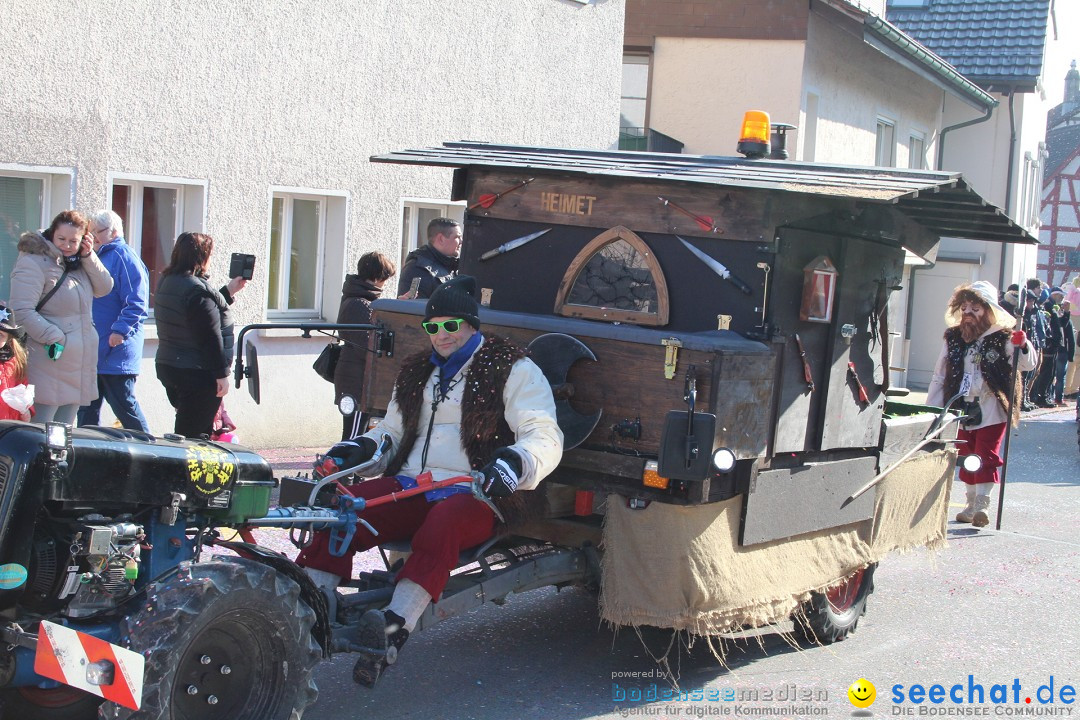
point(671, 356)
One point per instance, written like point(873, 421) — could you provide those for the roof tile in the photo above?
point(983, 39)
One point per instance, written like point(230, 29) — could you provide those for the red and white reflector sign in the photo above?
point(64, 655)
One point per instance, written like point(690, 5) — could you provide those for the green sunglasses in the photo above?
point(450, 326)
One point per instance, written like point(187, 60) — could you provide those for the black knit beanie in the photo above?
point(455, 298)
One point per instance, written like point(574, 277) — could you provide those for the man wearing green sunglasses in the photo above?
point(475, 403)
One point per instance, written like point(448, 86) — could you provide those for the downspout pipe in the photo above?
point(957, 126)
point(989, 111)
point(1008, 181)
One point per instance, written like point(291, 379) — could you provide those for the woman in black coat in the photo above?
point(195, 335)
point(357, 294)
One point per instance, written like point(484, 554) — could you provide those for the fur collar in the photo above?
point(34, 243)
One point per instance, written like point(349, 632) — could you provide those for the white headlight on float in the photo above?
point(723, 459)
point(346, 405)
point(971, 463)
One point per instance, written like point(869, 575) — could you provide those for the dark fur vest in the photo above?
point(483, 428)
point(993, 364)
point(483, 425)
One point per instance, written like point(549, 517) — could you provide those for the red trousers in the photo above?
point(439, 531)
point(984, 442)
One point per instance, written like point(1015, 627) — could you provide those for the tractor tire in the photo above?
point(62, 703)
point(229, 638)
point(831, 616)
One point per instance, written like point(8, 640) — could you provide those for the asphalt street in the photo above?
point(1000, 607)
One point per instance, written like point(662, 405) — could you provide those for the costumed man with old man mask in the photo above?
point(474, 403)
point(976, 360)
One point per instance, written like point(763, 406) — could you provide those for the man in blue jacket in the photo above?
point(119, 318)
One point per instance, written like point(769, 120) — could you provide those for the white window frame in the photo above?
point(637, 58)
point(191, 201)
point(883, 121)
point(45, 216)
point(286, 239)
point(331, 256)
point(58, 186)
point(57, 193)
point(920, 137)
point(191, 196)
point(1060, 256)
point(417, 236)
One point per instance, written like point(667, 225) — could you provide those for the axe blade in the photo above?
point(555, 353)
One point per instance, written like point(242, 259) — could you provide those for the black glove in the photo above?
point(502, 475)
point(349, 453)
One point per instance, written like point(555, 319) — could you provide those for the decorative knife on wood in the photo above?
point(864, 399)
point(513, 244)
point(807, 375)
point(717, 267)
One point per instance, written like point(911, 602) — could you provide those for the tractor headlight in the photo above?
point(346, 405)
point(723, 459)
point(57, 435)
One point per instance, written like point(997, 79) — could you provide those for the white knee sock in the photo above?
point(409, 601)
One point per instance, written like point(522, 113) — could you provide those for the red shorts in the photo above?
point(986, 443)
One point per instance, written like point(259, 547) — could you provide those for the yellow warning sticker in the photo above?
point(209, 468)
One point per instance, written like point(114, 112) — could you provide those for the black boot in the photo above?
point(381, 633)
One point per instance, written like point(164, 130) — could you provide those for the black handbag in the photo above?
point(326, 364)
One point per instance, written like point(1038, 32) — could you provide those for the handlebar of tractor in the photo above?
point(342, 522)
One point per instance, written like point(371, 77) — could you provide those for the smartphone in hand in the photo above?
point(414, 289)
point(242, 266)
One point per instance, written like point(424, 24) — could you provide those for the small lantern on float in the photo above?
point(819, 290)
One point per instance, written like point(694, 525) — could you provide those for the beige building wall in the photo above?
point(238, 100)
point(981, 153)
point(853, 85)
point(700, 88)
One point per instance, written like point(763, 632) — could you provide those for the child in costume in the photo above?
point(16, 397)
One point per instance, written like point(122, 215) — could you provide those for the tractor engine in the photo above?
point(82, 567)
point(89, 515)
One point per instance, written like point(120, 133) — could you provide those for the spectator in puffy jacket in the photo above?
point(1036, 327)
point(119, 318)
point(1055, 345)
point(357, 294)
point(435, 263)
point(1061, 307)
point(195, 335)
point(62, 343)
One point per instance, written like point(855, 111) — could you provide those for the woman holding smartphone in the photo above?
point(53, 285)
point(195, 334)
